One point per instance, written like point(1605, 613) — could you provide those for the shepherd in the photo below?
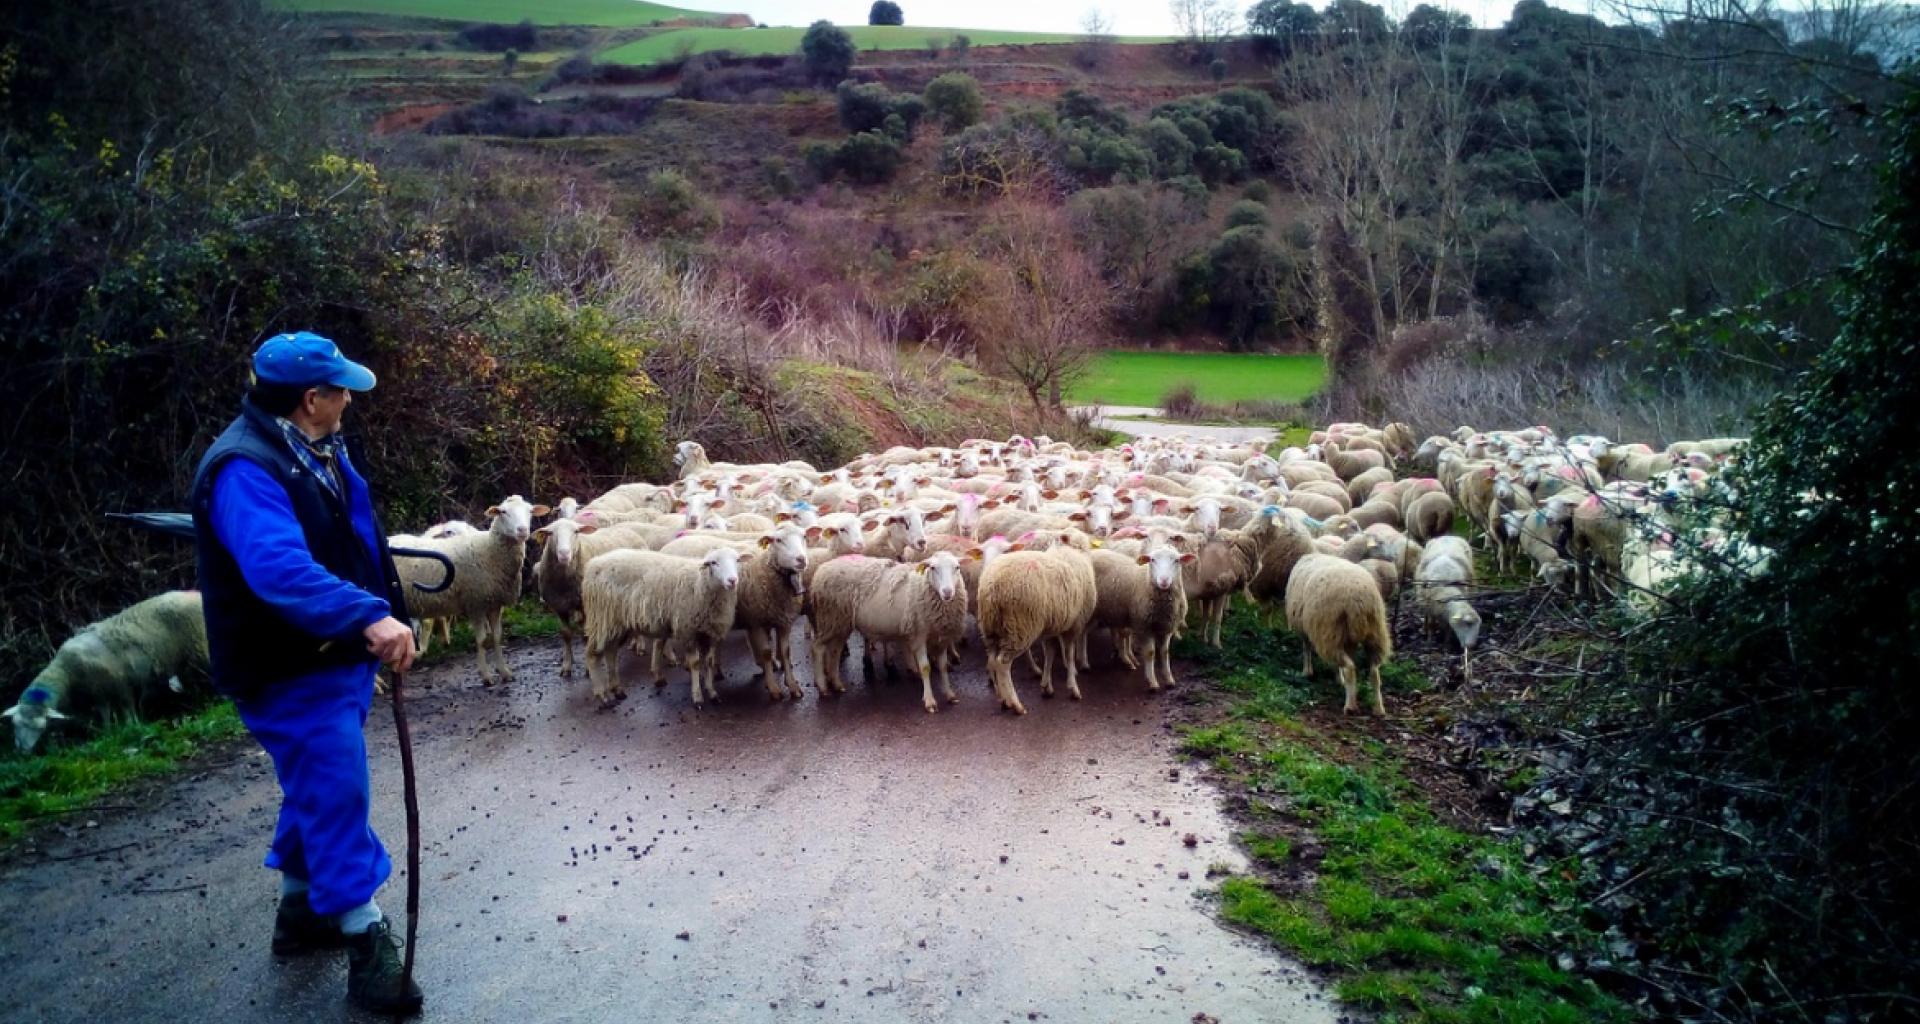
point(303, 606)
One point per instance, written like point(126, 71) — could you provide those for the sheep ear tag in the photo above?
point(920, 568)
point(1094, 543)
point(766, 542)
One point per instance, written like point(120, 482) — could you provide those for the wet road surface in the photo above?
point(1107, 416)
point(848, 860)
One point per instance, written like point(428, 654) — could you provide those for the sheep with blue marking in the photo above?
point(121, 666)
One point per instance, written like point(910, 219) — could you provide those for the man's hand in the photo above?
point(391, 641)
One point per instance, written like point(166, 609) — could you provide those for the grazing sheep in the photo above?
point(1336, 608)
point(122, 665)
point(1377, 512)
point(922, 605)
point(1597, 542)
point(1350, 464)
point(486, 579)
point(633, 595)
point(1360, 488)
point(1284, 541)
point(1226, 564)
point(1714, 447)
point(1537, 538)
point(1029, 597)
point(1442, 579)
point(1430, 516)
point(1334, 492)
point(1316, 506)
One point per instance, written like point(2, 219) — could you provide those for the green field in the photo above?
point(540, 12)
point(1141, 378)
point(748, 42)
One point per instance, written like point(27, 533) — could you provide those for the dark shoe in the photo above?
point(373, 972)
point(297, 929)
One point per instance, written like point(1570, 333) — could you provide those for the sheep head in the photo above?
point(514, 517)
point(31, 716)
point(1465, 623)
point(942, 573)
point(722, 566)
point(1163, 566)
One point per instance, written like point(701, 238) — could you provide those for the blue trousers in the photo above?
point(312, 728)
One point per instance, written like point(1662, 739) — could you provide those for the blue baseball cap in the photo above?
point(305, 359)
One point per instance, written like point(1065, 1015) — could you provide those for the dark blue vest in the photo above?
point(249, 644)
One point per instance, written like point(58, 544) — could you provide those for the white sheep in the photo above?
point(1029, 597)
point(1226, 564)
point(486, 579)
point(1141, 597)
point(1442, 580)
point(921, 605)
point(567, 546)
point(119, 666)
point(634, 595)
point(1336, 608)
point(440, 531)
point(772, 588)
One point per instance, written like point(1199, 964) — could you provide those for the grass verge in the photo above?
point(506, 12)
point(1143, 378)
point(528, 620)
point(1416, 920)
point(62, 780)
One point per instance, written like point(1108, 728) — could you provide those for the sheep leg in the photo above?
point(423, 635)
point(1350, 682)
point(1046, 668)
point(446, 631)
point(1000, 665)
point(946, 683)
point(1068, 645)
point(783, 646)
point(1306, 661)
point(1153, 655)
point(1032, 663)
point(921, 662)
point(480, 648)
point(498, 638)
point(710, 660)
point(1217, 614)
point(1166, 659)
point(1081, 648)
point(566, 648)
point(763, 656)
point(693, 676)
point(1379, 706)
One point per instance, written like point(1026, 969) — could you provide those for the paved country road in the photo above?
point(853, 859)
point(1110, 417)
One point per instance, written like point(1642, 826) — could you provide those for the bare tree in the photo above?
point(1044, 303)
point(1203, 24)
point(1096, 39)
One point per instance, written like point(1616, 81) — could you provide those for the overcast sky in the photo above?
point(1130, 17)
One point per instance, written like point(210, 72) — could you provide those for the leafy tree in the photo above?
point(1356, 21)
point(828, 51)
point(869, 157)
point(1171, 149)
point(886, 12)
point(1280, 25)
point(1430, 26)
point(955, 99)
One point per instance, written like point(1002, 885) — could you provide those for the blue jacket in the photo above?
point(290, 573)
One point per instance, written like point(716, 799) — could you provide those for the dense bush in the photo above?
point(828, 51)
point(955, 99)
point(885, 12)
point(1247, 286)
point(522, 37)
point(866, 107)
point(868, 157)
point(1787, 753)
point(670, 205)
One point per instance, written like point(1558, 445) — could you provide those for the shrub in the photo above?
point(961, 46)
point(828, 51)
point(1258, 190)
point(1217, 70)
point(501, 37)
point(886, 12)
point(779, 178)
point(1248, 214)
point(868, 157)
point(669, 205)
point(866, 107)
point(956, 100)
point(1171, 149)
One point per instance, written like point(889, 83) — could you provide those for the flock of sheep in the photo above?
point(1036, 542)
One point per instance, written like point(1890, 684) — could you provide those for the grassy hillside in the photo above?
point(749, 42)
point(1141, 378)
point(540, 12)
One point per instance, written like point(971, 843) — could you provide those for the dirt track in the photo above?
point(848, 860)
